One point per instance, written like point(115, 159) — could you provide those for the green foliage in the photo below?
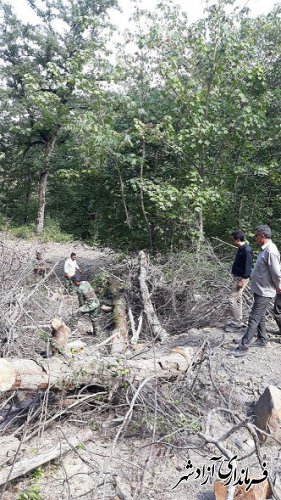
point(37, 473)
point(33, 492)
point(101, 284)
point(43, 72)
point(185, 142)
point(53, 232)
point(43, 335)
point(4, 222)
point(81, 446)
point(192, 425)
point(26, 232)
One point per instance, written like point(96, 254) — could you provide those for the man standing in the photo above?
point(266, 281)
point(70, 268)
point(39, 266)
point(241, 271)
point(88, 301)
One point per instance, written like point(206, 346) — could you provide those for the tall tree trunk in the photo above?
point(155, 326)
point(128, 219)
point(200, 230)
point(27, 197)
point(120, 340)
point(41, 201)
point(210, 81)
point(43, 183)
point(142, 199)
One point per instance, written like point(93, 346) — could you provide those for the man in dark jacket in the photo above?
point(241, 270)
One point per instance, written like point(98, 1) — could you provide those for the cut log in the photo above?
point(89, 368)
point(120, 339)
point(7, 375)
point(256, 492)
point(27, 465)
point(157, 330)
point(136, 331)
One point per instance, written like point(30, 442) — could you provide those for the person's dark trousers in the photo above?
point(277, 310)
point(256, 322)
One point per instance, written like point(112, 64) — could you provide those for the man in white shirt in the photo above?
point(70, 269)
point(266, 282)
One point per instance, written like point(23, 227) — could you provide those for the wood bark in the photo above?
point(128, 218)
point(120, 339)
point(43, 182)
point(27, 465)
point(157, 330)
point(136, 331)
point(41, 201)
point(142, 198)
point(26, 202)
point(91, 369)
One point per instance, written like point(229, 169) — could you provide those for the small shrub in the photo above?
point(32, 493)
point(4, 223)
point(43, 335)
point(26, 232)
point(53, 232)
point(101, 284)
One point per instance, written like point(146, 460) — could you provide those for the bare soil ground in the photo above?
point(146, 462)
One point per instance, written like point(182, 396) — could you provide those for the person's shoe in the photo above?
point(260, 343)
point(240, 324)
point(231, 323)
point(232, 326)
point(240, 351)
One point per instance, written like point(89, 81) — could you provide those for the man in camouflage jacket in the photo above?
point(88, 301)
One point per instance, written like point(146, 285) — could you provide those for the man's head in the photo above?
point(76, 280)
point(238, 237)
point(73, 256)
point(38, 255)
point(262, 234)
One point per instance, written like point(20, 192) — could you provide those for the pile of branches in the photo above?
point(185, 291)
point(188, 289)
point(152, 412)
point(26, 303)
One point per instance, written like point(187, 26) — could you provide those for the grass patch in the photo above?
point(52, 231)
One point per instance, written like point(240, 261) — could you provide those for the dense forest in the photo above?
point(157, 141)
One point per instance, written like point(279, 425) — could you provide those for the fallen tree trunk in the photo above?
point(90, 368)
point(157, 330)
point(120, 340)
point(27, 465)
